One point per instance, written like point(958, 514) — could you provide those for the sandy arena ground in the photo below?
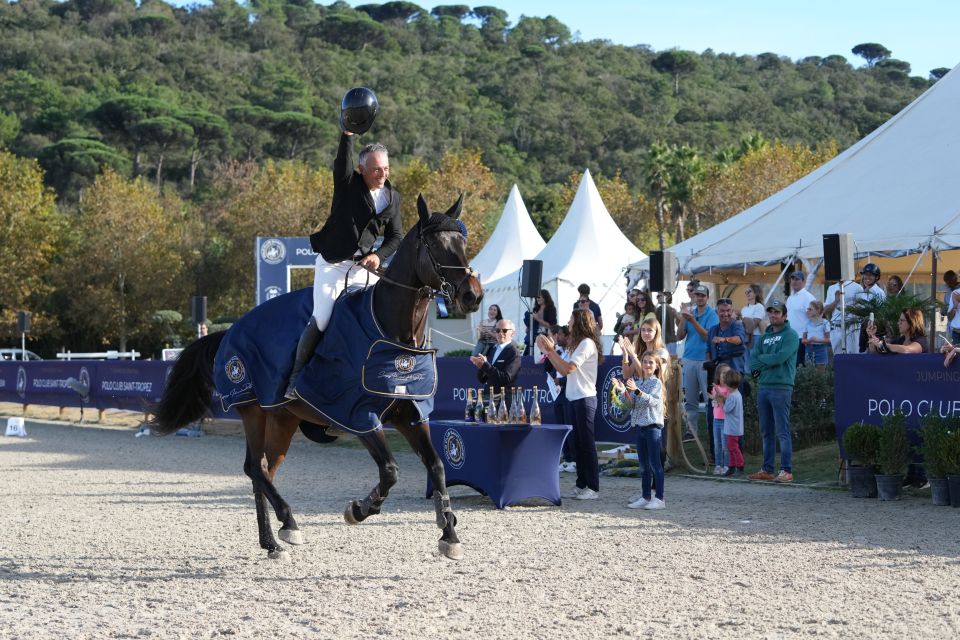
point(103, 535)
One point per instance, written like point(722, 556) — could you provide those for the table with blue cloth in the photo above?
point(507, 462)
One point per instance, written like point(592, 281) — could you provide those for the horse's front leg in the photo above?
point(358, 510)
point(419, 438)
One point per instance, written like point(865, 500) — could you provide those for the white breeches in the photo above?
point(329, 281)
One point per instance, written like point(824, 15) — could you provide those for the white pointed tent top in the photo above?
point(588, 240)
point(514, 240)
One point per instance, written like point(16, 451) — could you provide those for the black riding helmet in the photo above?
point(358, 110)
point(872, 269)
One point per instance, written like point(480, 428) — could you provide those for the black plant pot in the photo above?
point(890, 487)
point(954, 481)
point(940, 491)
point(863, 483)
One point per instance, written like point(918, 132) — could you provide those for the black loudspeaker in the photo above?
point(531, 278)
point(198, 309)
point(663, 271)
point(23, 321)
point(838, 263)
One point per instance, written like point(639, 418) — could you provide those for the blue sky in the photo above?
point(922, 32)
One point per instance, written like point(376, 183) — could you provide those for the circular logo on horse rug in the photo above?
point(453, 448)
point(236, 372)
point(405, 363)
point(272, 251)
point(616, 416)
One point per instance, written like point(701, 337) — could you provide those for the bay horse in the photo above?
point(430, 261)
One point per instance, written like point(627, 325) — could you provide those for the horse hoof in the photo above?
point(279, 554)
point(291, 536)
point(348, 514)
point(453, 550)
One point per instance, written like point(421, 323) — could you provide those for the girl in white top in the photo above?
point(754, 315)
point(580, 368)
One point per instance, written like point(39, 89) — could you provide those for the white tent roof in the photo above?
point(514, 240)
point(588, 247)
point(896, 191)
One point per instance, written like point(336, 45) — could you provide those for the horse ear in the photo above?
point(422, 209)
point(454, 211)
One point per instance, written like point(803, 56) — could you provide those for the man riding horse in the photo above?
point(365, 205)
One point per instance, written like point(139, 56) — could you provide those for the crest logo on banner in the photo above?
point(236, 372)
point(21, 382)
point(405, 363)
point(272, 292)
point(272, 251)
point(618, 418)
point(85, 382)
point(453, 448)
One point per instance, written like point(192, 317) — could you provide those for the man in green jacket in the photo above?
point(774, 362)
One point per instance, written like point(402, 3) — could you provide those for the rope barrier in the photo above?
point(432, 331)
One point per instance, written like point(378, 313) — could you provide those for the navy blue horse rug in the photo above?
point(354, 377)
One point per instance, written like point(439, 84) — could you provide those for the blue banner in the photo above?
point(871, 387)
point(135, 384)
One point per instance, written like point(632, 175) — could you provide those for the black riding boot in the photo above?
point(305, 348)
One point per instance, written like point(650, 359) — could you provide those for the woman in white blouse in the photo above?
point(580, 368)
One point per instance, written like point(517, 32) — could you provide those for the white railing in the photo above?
point(103, 355)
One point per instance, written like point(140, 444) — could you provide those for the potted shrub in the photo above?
point(951, 452)
point(860, 443)
point(893, 455)
point(934, 431)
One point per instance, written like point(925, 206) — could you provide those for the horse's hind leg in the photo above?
point(264, 530)
point(358, 510)
point(418, 436)
point(280, 430)
point(267, 444)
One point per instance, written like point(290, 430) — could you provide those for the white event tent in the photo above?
point(896, 191)
point(514, 240)
point(588, 247)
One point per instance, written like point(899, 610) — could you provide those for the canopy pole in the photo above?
point(933, 296)
point(776, 284)
point(915, 265)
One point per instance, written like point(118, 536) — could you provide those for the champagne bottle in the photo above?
point(492, 409)
point(469, 413)
point(502, 413)
point(535, 418)
point(480, 412)
point(521, 412)
point(514, 415)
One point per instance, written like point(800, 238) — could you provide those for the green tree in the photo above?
point(118, 119)
point(124, 261)
point(939, 72)
point(685, 171)
point(458, 11)
point(676, 63)
point(210, 132)
point(30, 233)
point(162, 133)
point(871, 52)
point(656, 171)
point(72, 164)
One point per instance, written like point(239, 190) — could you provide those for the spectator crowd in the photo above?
point(718, 348)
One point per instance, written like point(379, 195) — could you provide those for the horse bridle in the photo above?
point(447, 290)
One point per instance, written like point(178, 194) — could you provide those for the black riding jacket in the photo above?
point(353, 223)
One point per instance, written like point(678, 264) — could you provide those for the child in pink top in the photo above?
point(718, 395)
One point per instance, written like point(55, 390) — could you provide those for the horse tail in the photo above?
point(189, 390)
